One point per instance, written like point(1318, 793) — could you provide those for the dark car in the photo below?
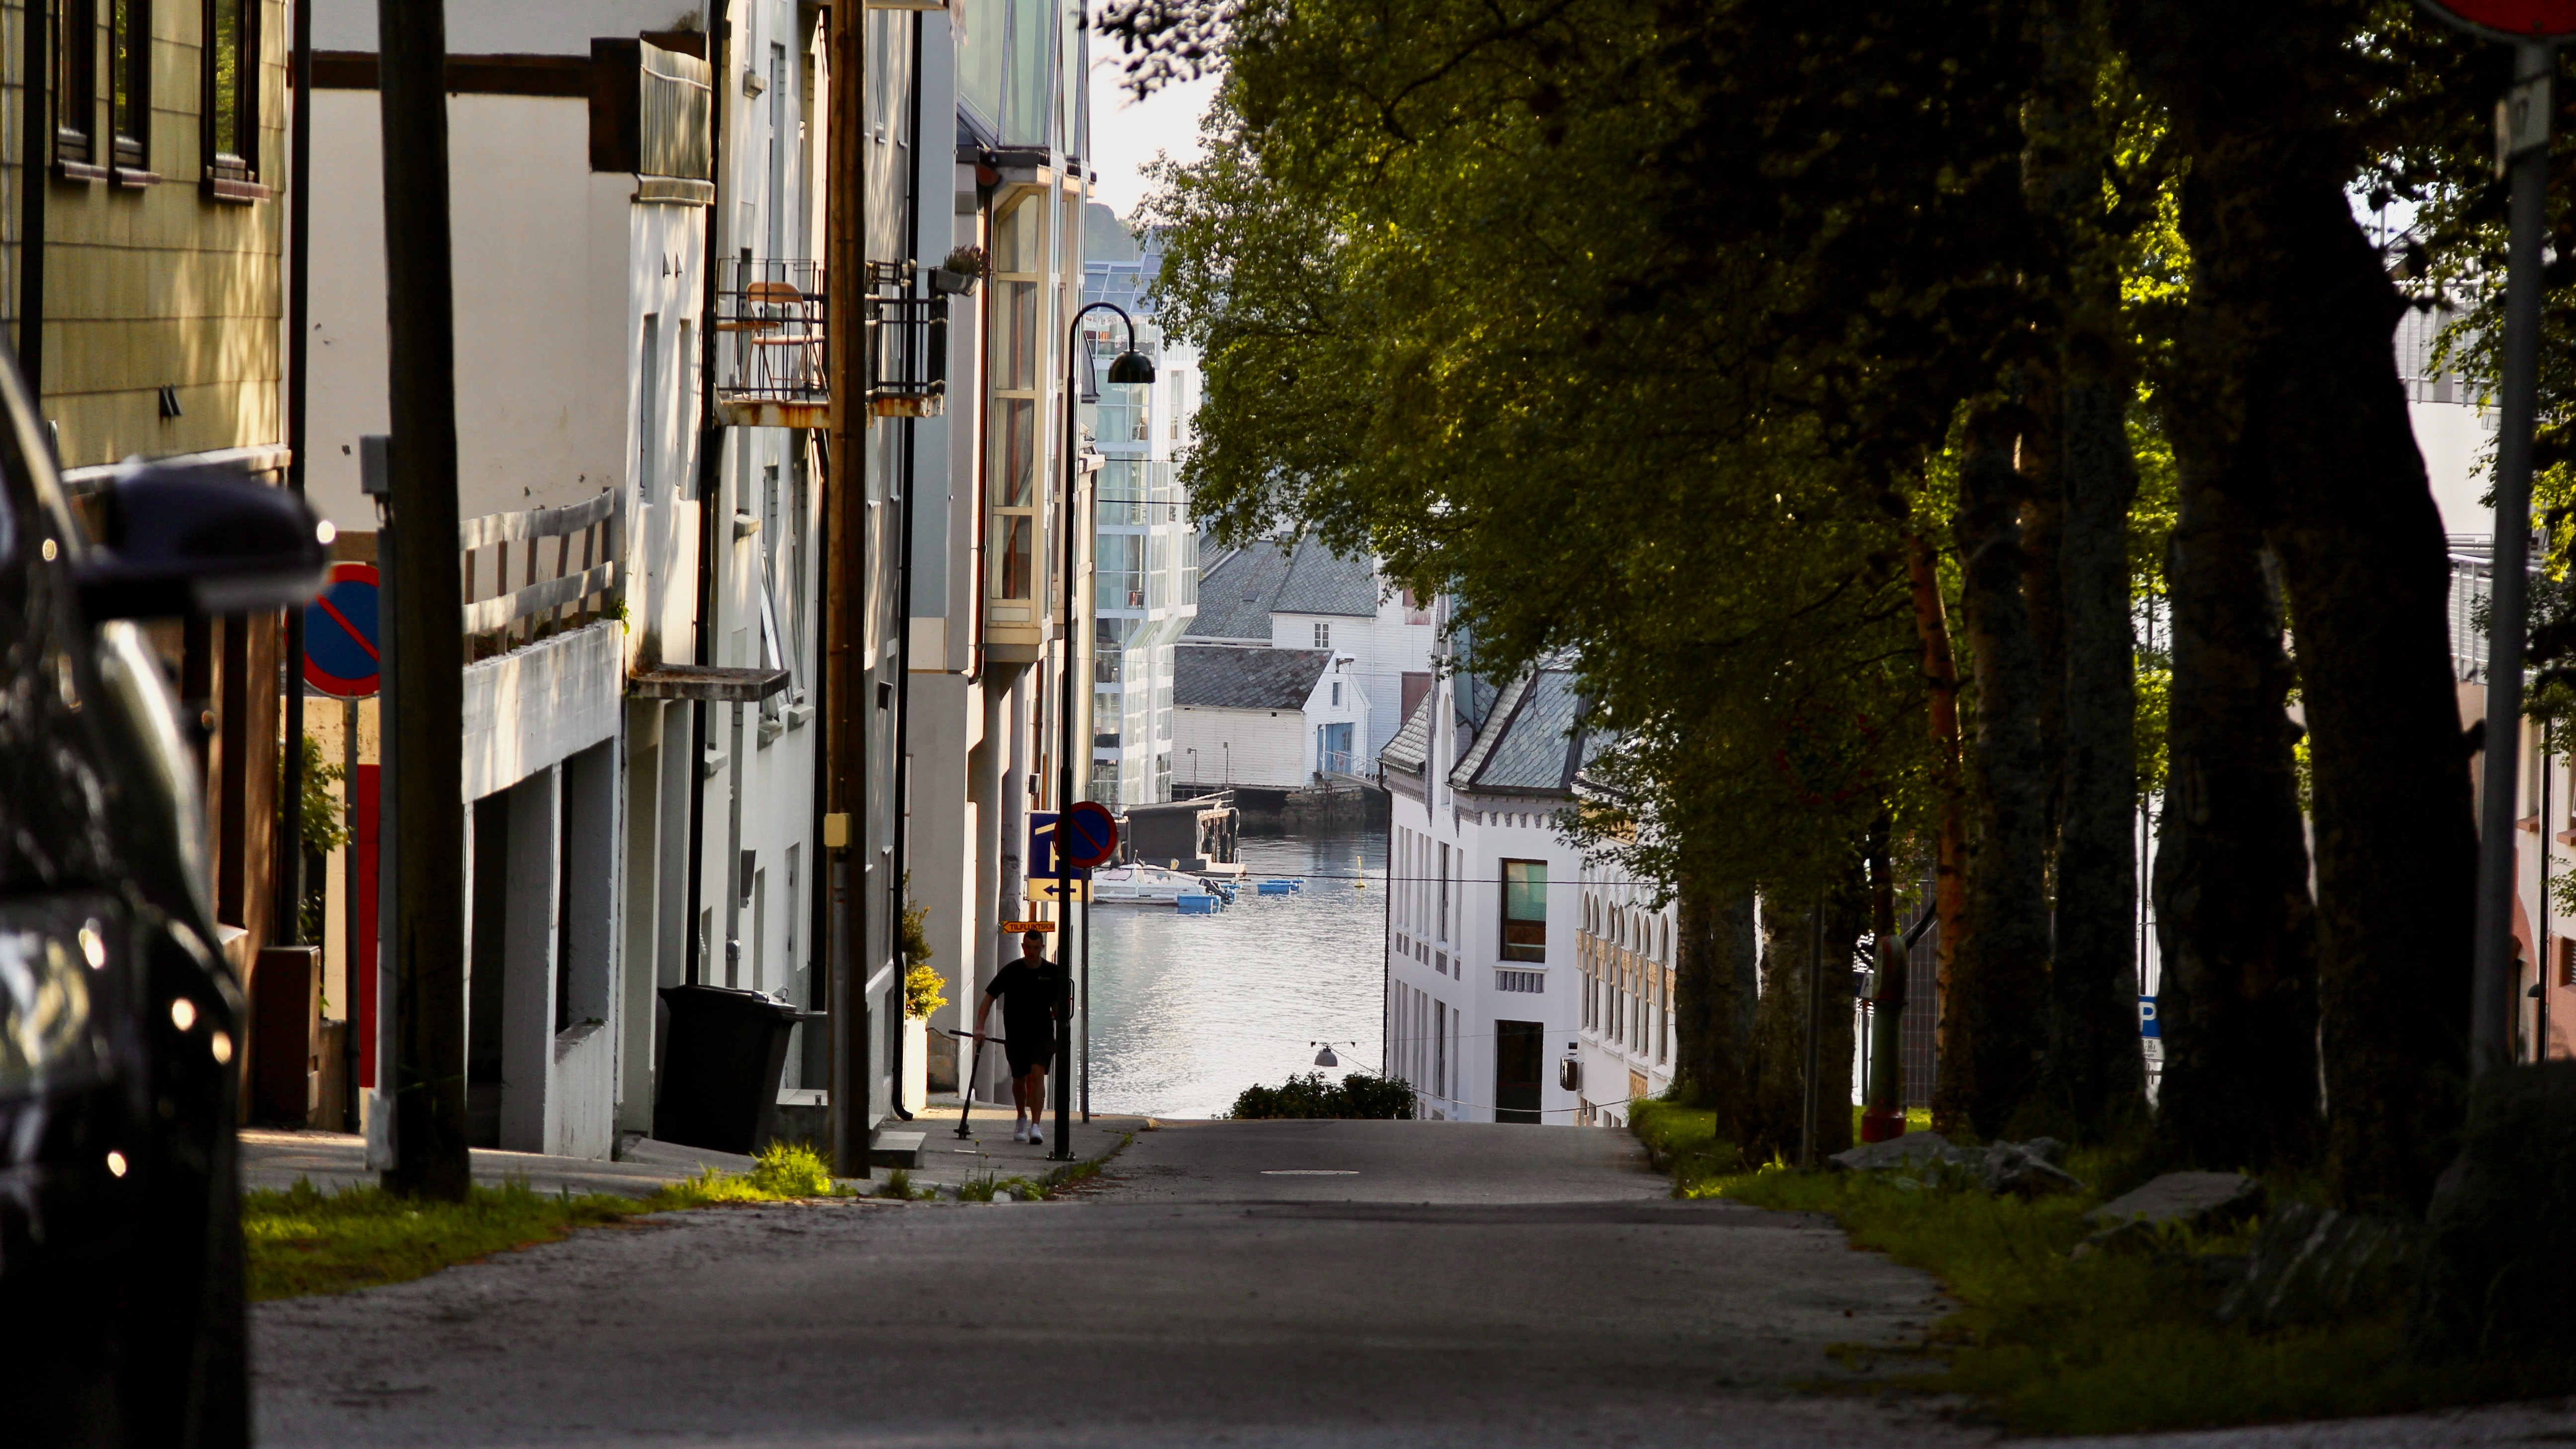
point(121, 1313)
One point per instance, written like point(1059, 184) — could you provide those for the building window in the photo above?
point(76, 81)
point(1532, 982)
point(1337, 696)
point(1324, 636)
point(1444, 893)
point(1013, 306)
point(129, 104)
point(2567, 961)
point(232, 90)
point(1524, 910)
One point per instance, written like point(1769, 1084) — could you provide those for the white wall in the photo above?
point(1381, 651)
point(1266, 747)
point(2456, 439)
point(543, 280)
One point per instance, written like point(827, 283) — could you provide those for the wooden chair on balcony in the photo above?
point(779, 320)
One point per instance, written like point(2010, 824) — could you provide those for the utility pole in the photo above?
point(846, 593)
point(2522, 153)
point(426, 935)
point(299, 234)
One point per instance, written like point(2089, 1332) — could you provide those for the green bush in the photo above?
point(1356, 1095)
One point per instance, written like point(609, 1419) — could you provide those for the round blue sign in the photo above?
point(340, 634)
point(1090, 834)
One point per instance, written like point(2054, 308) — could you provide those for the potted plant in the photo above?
point(958, 274)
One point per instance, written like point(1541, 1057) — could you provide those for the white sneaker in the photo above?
point(1037, 1133)
point(1019, 1131)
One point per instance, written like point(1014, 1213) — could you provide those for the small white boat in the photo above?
point(1147, 885)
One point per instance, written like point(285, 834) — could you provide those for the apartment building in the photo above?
point(1485, 966)
point(1144, 548)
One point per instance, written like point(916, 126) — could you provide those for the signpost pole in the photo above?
point(2522, 151)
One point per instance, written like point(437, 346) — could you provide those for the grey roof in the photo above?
point(1229, 676)
point(1239, 592)
point(1528, 747)
point(1321, 581)
point(1411, 747)
point(1532, 752)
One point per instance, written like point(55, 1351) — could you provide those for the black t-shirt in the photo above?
point(1028, 991)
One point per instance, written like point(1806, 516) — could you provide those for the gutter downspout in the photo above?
point(897, 891)
point(710, 486)
point(299, 233)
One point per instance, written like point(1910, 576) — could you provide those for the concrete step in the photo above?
point(896, 1149)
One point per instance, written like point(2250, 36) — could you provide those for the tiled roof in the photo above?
point(1235, 594)
point(1533, 752)
point(1321, 581)
point(1411, 747)
point(1239, 592)
point(1231, 676)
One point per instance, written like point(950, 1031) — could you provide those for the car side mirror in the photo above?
point(200, 541)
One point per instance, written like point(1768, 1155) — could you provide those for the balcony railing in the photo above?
point(773, 326)
point(576, 586)
point(906, 345)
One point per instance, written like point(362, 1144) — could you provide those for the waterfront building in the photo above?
point(1145, 552)
point(1483, 982)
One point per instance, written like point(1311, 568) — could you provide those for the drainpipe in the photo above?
point(35, 124)
point(299, 232)
point(896, 890)
point(710, 487)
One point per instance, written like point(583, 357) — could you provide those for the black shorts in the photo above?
point(1028, 1053)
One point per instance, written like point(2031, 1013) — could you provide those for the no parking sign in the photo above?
point(340, 634)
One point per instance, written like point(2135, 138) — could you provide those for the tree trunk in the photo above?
point(2095, 1077)
point(2276, 250)
point(1715, 988)
point(1999, 984)
point(1949, 859)
point(2238, 995)
point(1778, 1096)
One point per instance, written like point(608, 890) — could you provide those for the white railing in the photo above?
point(544, 603)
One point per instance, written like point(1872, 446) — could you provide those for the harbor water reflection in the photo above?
point(1187, 1011)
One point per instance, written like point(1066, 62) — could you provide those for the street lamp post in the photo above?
point(1129, 366)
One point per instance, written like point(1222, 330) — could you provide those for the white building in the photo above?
point(1278, 593)
point(1484, 971)
point(1004, 85)
point(1624, 961)
point(1144, 551)
point(642, 772)
point(1265, 719)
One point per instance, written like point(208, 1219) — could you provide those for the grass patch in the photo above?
point(2109, 1343)
point(303, 1241)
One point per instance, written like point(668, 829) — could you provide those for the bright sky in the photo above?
point(1128, 133)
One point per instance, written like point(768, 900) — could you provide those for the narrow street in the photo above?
point(1242, 1283)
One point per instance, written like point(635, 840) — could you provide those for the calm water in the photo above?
point(1187, 1011)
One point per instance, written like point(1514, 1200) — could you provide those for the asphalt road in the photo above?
point(1261, 1283)
point(1241, 1284)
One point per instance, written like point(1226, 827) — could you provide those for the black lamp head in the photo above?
point(1130, 367)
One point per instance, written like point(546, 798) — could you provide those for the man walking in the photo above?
point(1027, 990)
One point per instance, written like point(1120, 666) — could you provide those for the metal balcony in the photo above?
point(906, 345)
point(773, 334)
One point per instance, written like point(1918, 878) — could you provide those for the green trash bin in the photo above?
point(721, 1065)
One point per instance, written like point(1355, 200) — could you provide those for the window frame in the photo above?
point(231, 175)
point(75, 85)
point(1506, 947)
point(129, 24)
